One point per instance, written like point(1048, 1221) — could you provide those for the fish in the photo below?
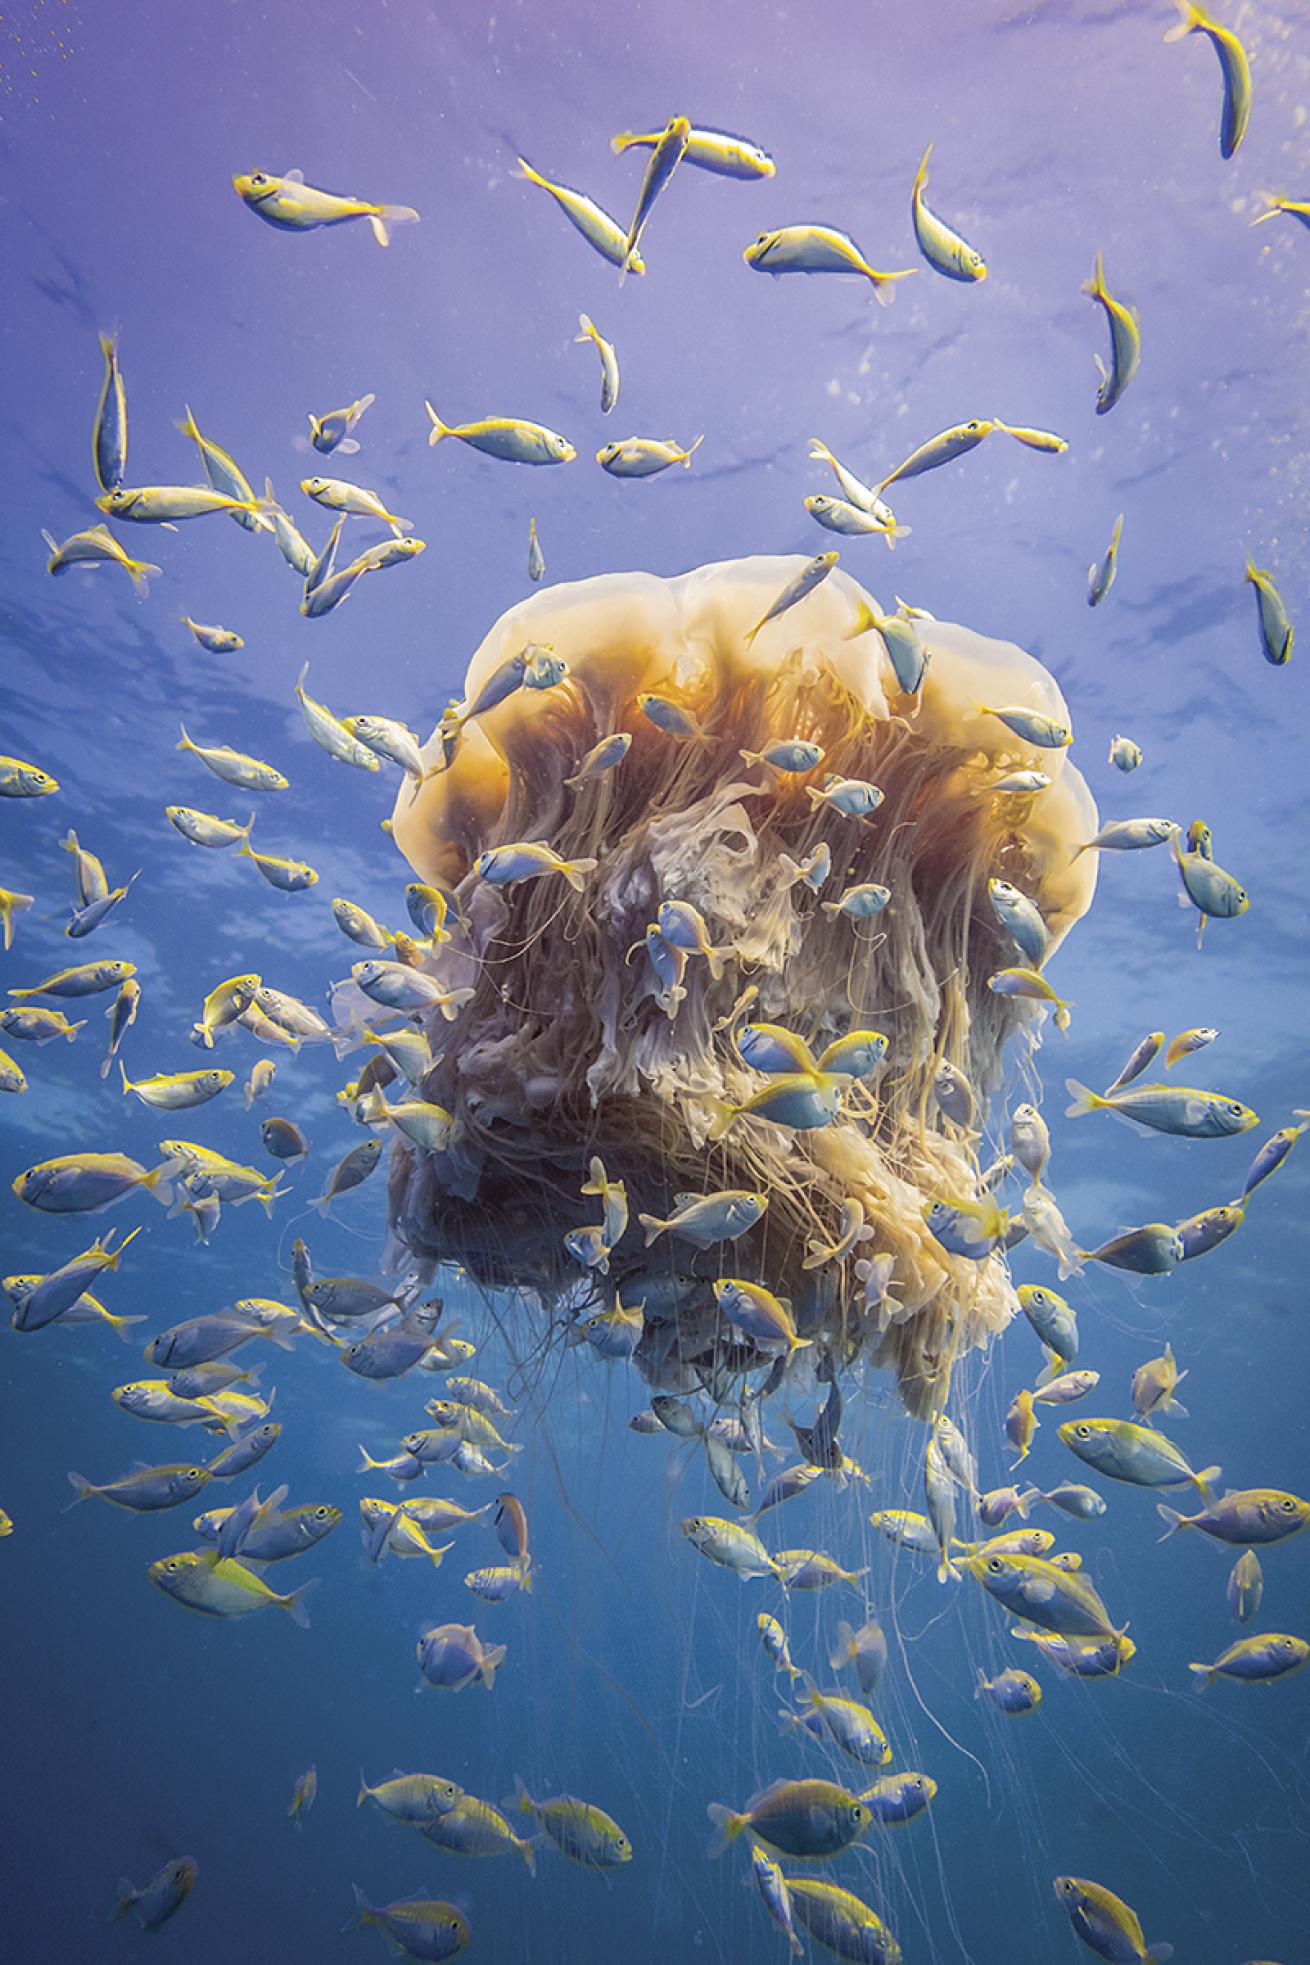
point(1153, 1387)
point(1049, 1230)
point(177, 1091)
point(863, 902)
point(1275, 623)
point(1105, 1923)
point(716, 151)
point(813, 1569)
point(808, 1819)
point(758, 1313)
point(83, 979)
point(225, 1004)
point(97, 546)
point(1033, 1589)
point(218, 641)
point(775, 1896)
point(855, 492)
point(1101, 573)
point(813, 870)
point(84, 1183)
point(353, 500)
point(644, 457)
point(853, 521)
point(332, 431)
point(1154, 1249)
point(170, 504)
point(578, 1829)
point(290, 205)
point(1271, 1157)
point(1125, 341)
point(1033, 726)
point(219, 1586)
point(528, 860)
point(1021, 918)
point(1030, 1141)
point(510, 438)
point(1124, 1451)
point(474, 1828)
point(21, 780)
point(1298, 208)
point(234, 767)
point(1233, 64)
point(897, 1798)
point(1244, 1516)
point(1139, 1059)
point(1067, 1387)
point(1125, 755)
point(1020, 783)
point(288, 876)
point(851, 1232)
point(452, 1656)
point(616, 1333)
point(1021, 1422)
point(146, 1490)
point(603, 233)
point(243, 1453)
point(854, 798)
point(820, 249)
point(273, 1535)
point(1214, 893)
point(1188, 1041)
point(330, 732)
point(1246, 1585)
point(1010, 1691)
point(944, 448)
point(1129, 836)
point(774, 1639)
point(417, 1927)
point(164, 1895)
point(536, 558)
point(602, 758)
point(730, 1545)
point(1033, 987)
point(411, 1798)
point(840, 1722)
point(226, 477)
point(794, 755)
point(1033, 439)
point(351, 1170)
point(109, 430)
point(204, 829)
point(1178, 1110)
point(841, 1922)
point(865, 1650)
point(1255, 1660)
point(943, 248)
point(303, 1795)
point(666, 153)
point(1082, 1657)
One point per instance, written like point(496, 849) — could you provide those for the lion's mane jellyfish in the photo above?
point(571, 1046)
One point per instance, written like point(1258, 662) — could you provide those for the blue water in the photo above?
point(134, 1732)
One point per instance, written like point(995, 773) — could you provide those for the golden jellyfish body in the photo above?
point(569, 1047)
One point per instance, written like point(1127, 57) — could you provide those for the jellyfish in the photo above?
point(569, 1045)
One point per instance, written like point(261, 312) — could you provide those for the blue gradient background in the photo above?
point(133, 1732)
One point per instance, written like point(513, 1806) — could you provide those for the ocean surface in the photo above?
point(134, 1732)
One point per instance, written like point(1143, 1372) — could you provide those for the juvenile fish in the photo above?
point(510, 438)
point(943, 248)
point(1125, 341)
point(165, 1893)
point(603, 233)
point(1255, 1660)
point(97, 546)
point(1233, 64)
point(1105, 1923)
point(820, 249)
point(1124, 1451)
point(290, 205)
point(1101, 573)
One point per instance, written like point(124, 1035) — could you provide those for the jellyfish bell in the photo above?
point(566, 1048)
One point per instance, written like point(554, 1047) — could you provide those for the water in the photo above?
point(633, 1678)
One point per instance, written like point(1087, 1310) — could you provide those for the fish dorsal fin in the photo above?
point(687, 1200)
point(294, 177)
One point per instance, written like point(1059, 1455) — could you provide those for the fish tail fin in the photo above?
point(1095, 287)
point(1157, 1954)
point(83, 1489)
point(120, 1326)
point(690, 451)
point(294, 1604)
point(439, 429)
point(947, 1571)
point(1025, 1501)
point(127, 1082)
point(1189, 18)
point(184, 742)
point(1054, 1365)
point(1260, 219)
point(492, 1658)
point(267, 1195)
point(521, 1801)
point(717, 960)
point(201, 1034)
point(525, 170)
point(884, 284)
point(363, 1911)
point(574, 872)
point(527, 1848)
point(1206, 1676)
point(141, 572)
point(618, 144)
point(588, 327)
point(381, 220)
point(187, 425)
point(1205, 1479)
point(73, 1028)
point(128, 1894)
point(653, 1226)
point(728, 1825)
point(723, 1119)
point(895, 532)
point(1085, 1100)
point(159, 1181)
point(921, 175)
point(1172, 1518)
point(981, 1686)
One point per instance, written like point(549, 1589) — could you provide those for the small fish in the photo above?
point(601, 232)
point(291, 205)
point(775, 1896)
point(303, 1795)
point(1125, 755)
point(941, 449)
point(177, 1091)
point(854, 798)
point(854, 492)
point(1129, 836)
point(666, 153)
point(842, 1922)
point(1154, 1249)
point(1033, 439)
point(1153, 1387)
point(1033, 726)
point(21, 780)
point(809, 1819)
point(84, 1183)
point(225, 1004)
point(1271, 1156)
point(510, 438)
point(1031, 1588)
point(146, 1490)
point(758, 1313)
point(1105, 1923)
point(1125, 341)
point(350, 1171)
point(234, 767)
point(865, 1650)
point(165, 1893)
point(1124, 1451)
point(226, 478)
point(578, 1829)
point(34, 1025)
point(819, 249)
point(1049, 1230)
point(528, 860)
point(1010, 1691)
point(851, 1232)
point(332, 431)
point(774, 1640)
point(1275, 625)
point(1141, 1057)
point(1082, 1657)
point(1233, 64)
point(203, 829)
point(899, 636)
point(731, 1545)
point(1298, 208)
point(1101, 573)
point(940, 244)
point(288, 876)
point(1179, 1110)
point(644, 457)
point(813, 1569)
point(536, 558)
point(474, 1828)
point(1021, 1422)
point(853, 522)
point(82, 979)
point(794, 755)
point(897, 1798)
point(861, 903)
point(219, 1586)
point(966, 1228)
point(600, 759)
point(1256, 1660)
point(1066, 1388)
point(97, 546)
point(954, 1095)
point(813, 870)
point(353, 500)
point(109, 431)
point(1020, 783)
point(218, 641)
point(1083, 1503)
point(417, 1927)
point(283, 1139)
point(1246, 1515)
point(716, 151)
point(1030, 1140)
point(1032, 987)
point(837, 1721)
point(1246, 1584)
point(452, 1656)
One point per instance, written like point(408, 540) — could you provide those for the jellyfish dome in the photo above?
point(562, 1040)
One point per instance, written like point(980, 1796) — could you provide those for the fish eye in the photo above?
point(1289, 1506)
point(995, 1565)
point(170, 1565)
point(193, 1473)
point(320, 1514)
point(259, 178)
